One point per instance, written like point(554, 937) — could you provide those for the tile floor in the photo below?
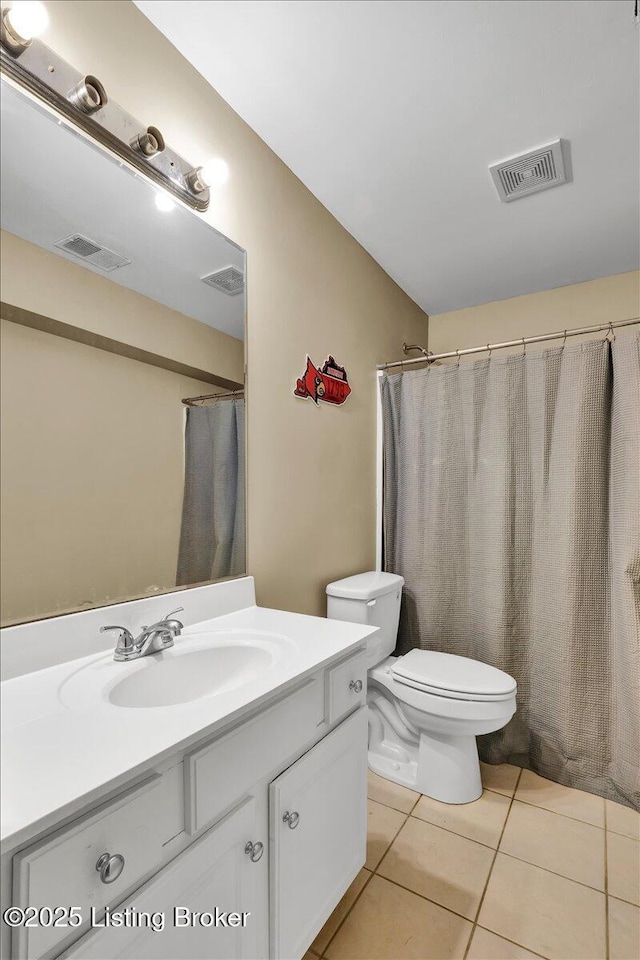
point(531, 869)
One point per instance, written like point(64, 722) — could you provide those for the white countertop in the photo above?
point(57, 759)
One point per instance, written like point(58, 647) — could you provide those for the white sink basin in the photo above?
point(164, 680)
point(197, 666)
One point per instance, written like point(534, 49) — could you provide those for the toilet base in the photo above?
point(449, 769)
point(402, 772)
point(445, 768)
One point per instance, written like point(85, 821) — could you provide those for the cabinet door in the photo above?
point(318, 826)
point(214, 872)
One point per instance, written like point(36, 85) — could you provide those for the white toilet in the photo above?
point(425, 708)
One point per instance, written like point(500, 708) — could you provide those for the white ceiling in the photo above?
point(391, 112)
point(67, 186)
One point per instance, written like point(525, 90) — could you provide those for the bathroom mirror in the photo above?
point(117, 305)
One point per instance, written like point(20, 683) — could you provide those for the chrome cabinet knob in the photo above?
point(110, 866)
point(293, 819)
point(254, 850)
point(356, 686)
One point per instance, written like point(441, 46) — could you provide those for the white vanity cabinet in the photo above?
point(266, 819)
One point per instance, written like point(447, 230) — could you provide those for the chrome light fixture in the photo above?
point(28, 63)
point(88, 95)
point(149, 142)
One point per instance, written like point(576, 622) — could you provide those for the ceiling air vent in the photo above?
point(92, 252)
point(540, 169)
point(229, 280)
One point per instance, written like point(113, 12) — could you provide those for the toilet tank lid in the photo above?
point(365, 586)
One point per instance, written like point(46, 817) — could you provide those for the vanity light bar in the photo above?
point(84, 101)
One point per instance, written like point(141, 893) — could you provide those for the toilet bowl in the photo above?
point(425, 708)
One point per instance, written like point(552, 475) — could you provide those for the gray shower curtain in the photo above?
point(212, 538)
point(512, 510)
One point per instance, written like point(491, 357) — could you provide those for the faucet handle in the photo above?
point(177, 610)
point(125, 638)
point(175, 626)
point(123, 630)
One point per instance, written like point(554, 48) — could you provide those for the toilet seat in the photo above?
point(451, 676)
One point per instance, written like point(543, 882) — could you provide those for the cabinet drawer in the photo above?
point(219, 774)
point(346, 686)
point(61, 870)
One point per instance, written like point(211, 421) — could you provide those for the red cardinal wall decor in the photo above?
point(329, 384)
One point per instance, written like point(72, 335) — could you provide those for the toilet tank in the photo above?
point(372, 598)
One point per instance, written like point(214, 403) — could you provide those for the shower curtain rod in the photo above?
point(521, 342)
point(193, 401)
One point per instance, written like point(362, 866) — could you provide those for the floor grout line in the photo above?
point(455, 833)
point(538, 806)
point(495, 855)
point(627, 836)
point(389, 845)
point(435, 903)
point(460, 916)
point(513, 942)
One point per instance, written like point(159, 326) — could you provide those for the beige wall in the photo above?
point(579, 305)
point(311, 288)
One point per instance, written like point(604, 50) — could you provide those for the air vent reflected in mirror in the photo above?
point(229, 280)
point(92, 252)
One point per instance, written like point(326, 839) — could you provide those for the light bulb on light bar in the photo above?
point(27, 19)
point(212, 173)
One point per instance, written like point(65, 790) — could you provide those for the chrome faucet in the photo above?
point(159, 636)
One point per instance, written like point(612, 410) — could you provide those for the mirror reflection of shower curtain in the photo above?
point(512, 510)
point(212, 537)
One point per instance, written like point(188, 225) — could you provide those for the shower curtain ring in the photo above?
point(490, 349)
point(564, 339)
point(458, 356)
point(610, 331)
point(524, 347)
